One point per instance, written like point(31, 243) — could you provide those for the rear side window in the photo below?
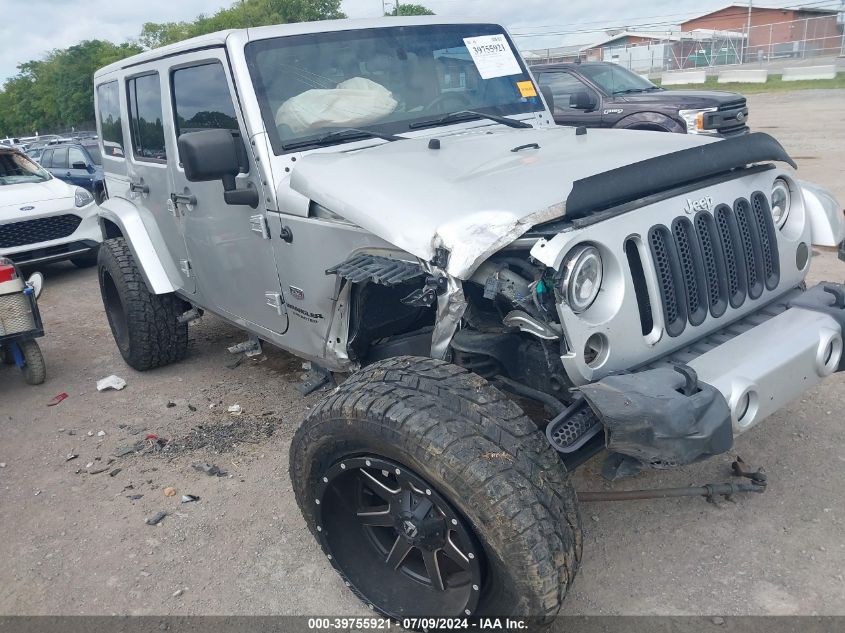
point(145, 118)
point(110, 124)
point(201, 99)
point(47, 158)
point(60, 158)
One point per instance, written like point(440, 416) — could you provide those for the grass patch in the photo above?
point(774, 84)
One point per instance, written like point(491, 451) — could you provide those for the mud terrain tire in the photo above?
point(145, 325)
point(478, 451)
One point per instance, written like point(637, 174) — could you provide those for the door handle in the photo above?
point(139, 187)
point(67, 174)
point(184, 198)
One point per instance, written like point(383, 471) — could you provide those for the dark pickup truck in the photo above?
point(604, 94)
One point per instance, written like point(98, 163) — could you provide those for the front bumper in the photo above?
point(663, 417)
point(84, 239)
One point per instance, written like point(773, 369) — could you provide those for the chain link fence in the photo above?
point(806, 38)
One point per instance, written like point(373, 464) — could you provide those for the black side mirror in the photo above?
point(549, 97)
point(79, 165)
point(214, 155)
point(581, 101)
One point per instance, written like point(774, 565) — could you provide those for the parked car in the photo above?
point(77, 163)
point(43, 219)
point(390, 198)
point(604, 94)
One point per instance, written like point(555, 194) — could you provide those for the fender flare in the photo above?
point(650, 118)
point(155, 264)
point(827, 221)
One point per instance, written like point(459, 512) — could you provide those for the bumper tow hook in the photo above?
point(710, 492)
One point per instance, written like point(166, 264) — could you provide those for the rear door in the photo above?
point(229, 245)
point(570, 95)
point(146, 166)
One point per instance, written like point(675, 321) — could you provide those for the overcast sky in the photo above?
point(29, 28)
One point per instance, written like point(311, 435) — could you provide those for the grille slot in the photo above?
point(670, 279)
point(39, 230)
point(706, 264)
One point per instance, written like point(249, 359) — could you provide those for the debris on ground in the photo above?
point(90, 434)
point(70, 456)
point(178, 593)
point(235, 409)
point(2, 464)
point(170, 404)
point(235, 362)
point(99, 470)
point(192, 407)
point(57, 399)
point(210, 470)
point(111, 382)
point(89, 464)
point(155, 442)
point(189, 498)
point(114, 472)
point(134, 497)
point(170, 491)
point(221, 438)
point(156, 518)
point(128, 448)
point(101, 433)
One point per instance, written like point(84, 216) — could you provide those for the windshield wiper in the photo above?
point(335, 136)
point(468, 115)
point(629, 91)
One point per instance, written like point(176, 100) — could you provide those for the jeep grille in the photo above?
point(715, 260)
point(40, 230)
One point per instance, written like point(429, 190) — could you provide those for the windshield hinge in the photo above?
point(258, 224)
point(187, 270)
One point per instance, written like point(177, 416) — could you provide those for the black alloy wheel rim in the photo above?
point(396, 542)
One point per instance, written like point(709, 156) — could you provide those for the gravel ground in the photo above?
point(75, 539)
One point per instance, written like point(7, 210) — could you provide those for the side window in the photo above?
point(75, 155)
point(201, 99)
point(60, 158)
point(47, 158)
point(109, 114)
point(564, 87)
point(145, 119)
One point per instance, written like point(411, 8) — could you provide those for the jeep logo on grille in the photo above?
point(702, 204)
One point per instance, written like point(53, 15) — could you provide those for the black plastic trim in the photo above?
point(766, 225)
point(671, 282)
point(750, 236)
point(733, 253)
point(647, 177)
point(692, 263)
point(712, 254)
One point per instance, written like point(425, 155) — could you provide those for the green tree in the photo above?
point(244, 13)
point(409, 9)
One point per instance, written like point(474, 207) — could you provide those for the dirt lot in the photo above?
point(74, 542)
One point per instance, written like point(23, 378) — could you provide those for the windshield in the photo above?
point(16, 168)
point(385, 79)
point(615, 79)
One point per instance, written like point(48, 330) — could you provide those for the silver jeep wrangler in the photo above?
point(390, 199)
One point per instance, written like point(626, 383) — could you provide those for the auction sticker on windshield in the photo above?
point(493, 56)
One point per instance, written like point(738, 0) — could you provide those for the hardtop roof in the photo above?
point(220, 38)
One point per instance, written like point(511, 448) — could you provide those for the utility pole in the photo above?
point(748, 33)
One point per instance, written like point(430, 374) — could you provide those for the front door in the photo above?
point(229, 246)
point(79, 172)
point(575, 103)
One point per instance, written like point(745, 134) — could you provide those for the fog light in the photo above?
point(802, 255)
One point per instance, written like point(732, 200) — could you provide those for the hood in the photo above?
point(31, 192)
point(685, 99)
point(477, 193)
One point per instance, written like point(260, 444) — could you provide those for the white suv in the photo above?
point(43, 218)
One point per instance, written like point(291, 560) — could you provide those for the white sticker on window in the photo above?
point(493, 56)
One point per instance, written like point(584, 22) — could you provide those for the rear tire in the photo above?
point(483, 462)
point(145, 325)
point(35, 371)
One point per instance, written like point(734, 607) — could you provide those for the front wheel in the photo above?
point(432, 494)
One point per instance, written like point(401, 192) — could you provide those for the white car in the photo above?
point(43, 218)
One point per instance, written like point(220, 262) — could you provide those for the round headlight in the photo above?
point(581, 281)
point(781, 200)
